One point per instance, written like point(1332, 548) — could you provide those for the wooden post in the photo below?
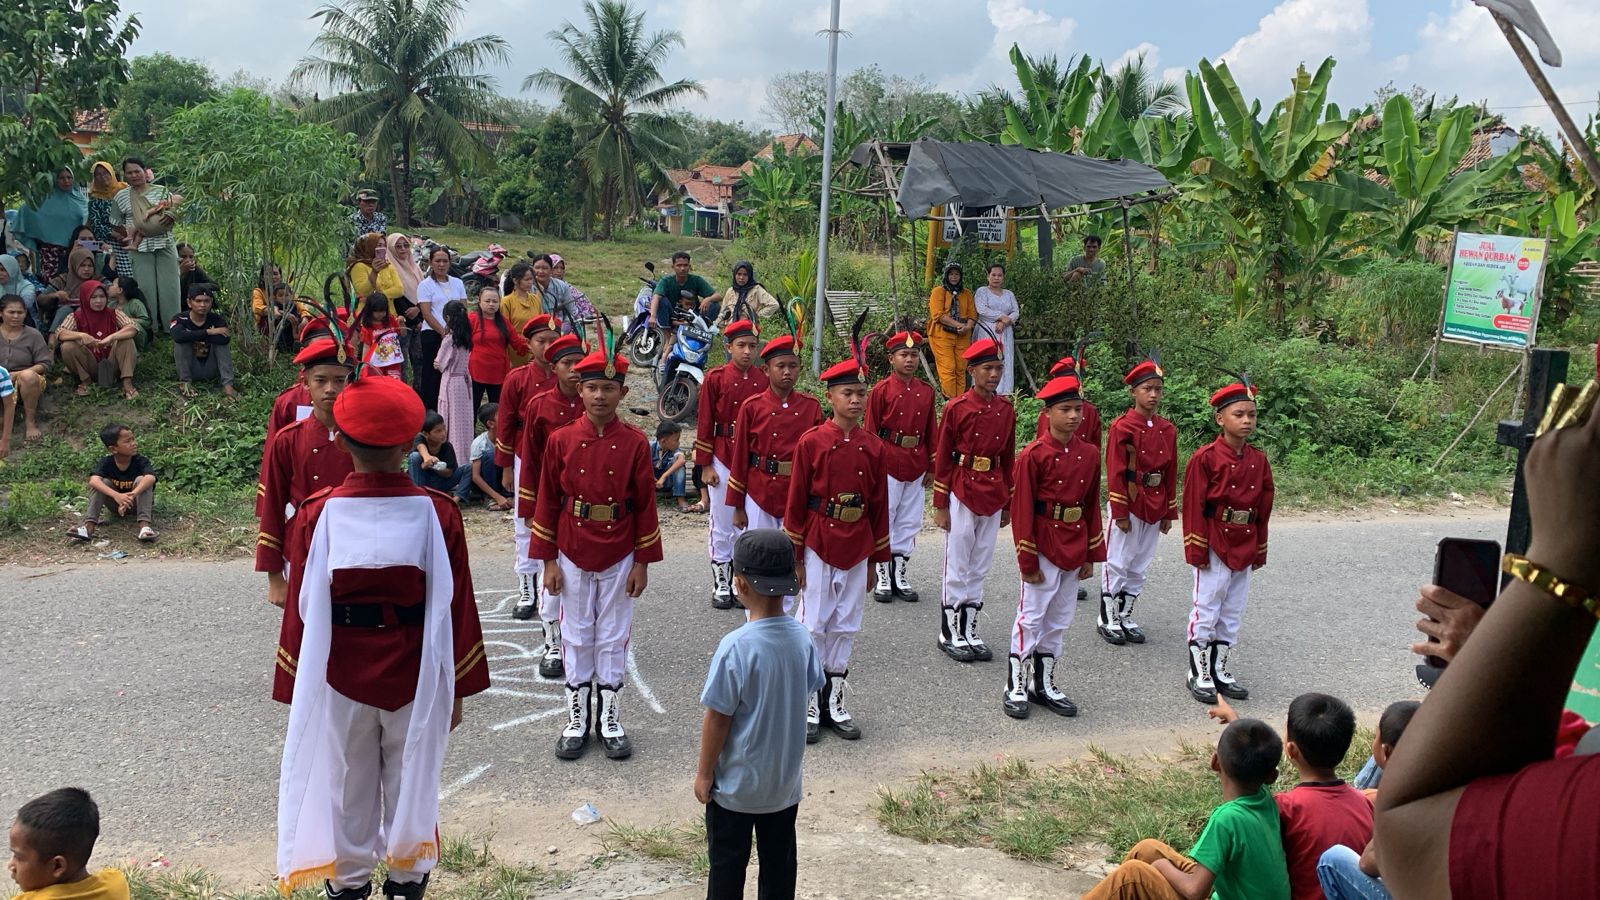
point(1569, 128)
point(1547, 369)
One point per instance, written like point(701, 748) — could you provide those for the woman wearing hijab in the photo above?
point(998, 311)
point(368, 273)
point(582, 309)
point(95, 332)
point(48, 227)
point(12, 282)
point(62, 298)
point(951, 314)
point(103, 187)
point(747, 299)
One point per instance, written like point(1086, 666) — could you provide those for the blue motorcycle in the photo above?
point(678, 379)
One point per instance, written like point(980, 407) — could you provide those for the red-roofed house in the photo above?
point(792, 144)
point(701, 201)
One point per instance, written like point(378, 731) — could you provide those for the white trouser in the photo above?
point(905, 515)
point(596, 620)
point(1044, 613)
point(1128, 556)
point(760, 518)
point(830, 607)
point(371, 746)
point(722, 530)
point(968, 553)
point(1219, 596)
point(522, 565)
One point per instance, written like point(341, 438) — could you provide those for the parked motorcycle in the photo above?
point(642, 341)
point(678, 380)
point(479, 269)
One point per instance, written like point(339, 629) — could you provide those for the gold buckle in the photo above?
point(909, 441)
point(981, 463)
point(1152, 479)
point(1237, 517)
point(1070, 513)
point(850, 514)
point(784, 468)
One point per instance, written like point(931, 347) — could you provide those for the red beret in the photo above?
point(319, 325)
point(565, 345)
point(1062, 387)
point(902, 340)
point(783, 345)
point(1066, 365)
point(1143, 372)
point(739, 329)
point(986, 350)
point(379, 412)
point(596, 366)
point(326, 352)
point(541, 322)
point(1233, 393)
point(847, 372)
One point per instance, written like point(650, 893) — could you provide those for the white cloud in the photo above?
point(1014, 22)
point(1150, 52)
point(1297, 31)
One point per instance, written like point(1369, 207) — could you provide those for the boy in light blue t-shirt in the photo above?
point(753, 740)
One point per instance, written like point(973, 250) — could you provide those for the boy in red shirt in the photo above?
point(726, 387)
point(1227, 500)
point(971, 495)
point(522, 385)
point(594, 524)
point(1088, 427)
point(838, 518)
point(1142, 471)
point(900, 412)
point(1055, 523)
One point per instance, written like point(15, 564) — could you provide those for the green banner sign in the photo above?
point(1493, 291)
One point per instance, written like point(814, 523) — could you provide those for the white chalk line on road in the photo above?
point(648, 695)
point(524, 720)
point(449, 790)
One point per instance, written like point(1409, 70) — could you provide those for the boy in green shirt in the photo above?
point(1239, 855)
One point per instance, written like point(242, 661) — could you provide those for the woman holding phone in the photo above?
point(369, 270)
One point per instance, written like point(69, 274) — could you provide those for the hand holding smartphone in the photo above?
point(380, 253)
point(1471, 569)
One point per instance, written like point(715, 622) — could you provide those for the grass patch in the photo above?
point(468, 870)
point(683, 845)
point(1037, 812)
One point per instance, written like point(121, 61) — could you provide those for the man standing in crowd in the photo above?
point(1087, 268)
point(726, 388)
point(366, 219)
point(900, 412)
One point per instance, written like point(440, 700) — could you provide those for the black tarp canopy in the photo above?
point(976, 175)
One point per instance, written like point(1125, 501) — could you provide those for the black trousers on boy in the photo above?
point(728, 834)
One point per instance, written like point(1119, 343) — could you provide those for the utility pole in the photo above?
point(827, 184)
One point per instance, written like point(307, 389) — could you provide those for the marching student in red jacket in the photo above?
point(1142, 474)
point(726, 387)
point(521, 387)
point(900, 412)
point(1227, 501)
point(1055, 524)
point(971, 495)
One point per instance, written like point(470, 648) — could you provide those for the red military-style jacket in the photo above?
point(974, 453)
point(517, 393)
point(764, 440)
point(724, 390)
point(1055, 511)
point(831, 467)
point(379, 666)
point(301, 460)
point(1088, 426)
point(1154, 442)
point(583, 468)
point(900, 412)
point(1218, 480)
point(286, 408)
point(543, 415)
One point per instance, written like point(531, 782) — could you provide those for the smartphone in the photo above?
point(380, 252)
point(91, 246)
point(1467, 567)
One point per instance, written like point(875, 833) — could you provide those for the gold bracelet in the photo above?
point(1530, 572)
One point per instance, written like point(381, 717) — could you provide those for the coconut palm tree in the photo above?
point(1138, 92)
point(408, 86)
point(619, 99)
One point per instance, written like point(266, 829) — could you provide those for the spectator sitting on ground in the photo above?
point(1321, 810)
point(669, 464)
point(189, 272)
point(8, 409)
point(51, 842)
point(52, 306)
point(485, 474)
point(13, 282)
point(123, 478)
point(1344, 872)
point(127, 299)
point(432, 462)
point(25, 354)
point(1239, 855)
point(1391, 725)
point(200, 341)
point(95, 337)
point(1473, 802)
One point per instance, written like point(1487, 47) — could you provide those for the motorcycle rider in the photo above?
point(667, 293)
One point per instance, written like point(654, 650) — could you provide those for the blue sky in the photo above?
point(735, 46)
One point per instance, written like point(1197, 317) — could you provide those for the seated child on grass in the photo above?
point(1349, 872)
point(668, 462)
point(1239, 855)
point(485, 474)
point(124, 480)
point(51, 841)
point(1321, 810)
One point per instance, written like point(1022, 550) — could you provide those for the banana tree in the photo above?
point(1252, 169)
point(1050, 116)
point(1425, 192)
point(1571, 243)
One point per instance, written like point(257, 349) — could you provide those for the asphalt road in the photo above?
point(148, 683)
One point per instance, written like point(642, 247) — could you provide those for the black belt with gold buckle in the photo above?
point(1058, 511)
point(846, 507)
point(1143, 479)
point(771, 465)
point(1230, 516)
point(900, 438)
point(600, 512)
point(975, 463)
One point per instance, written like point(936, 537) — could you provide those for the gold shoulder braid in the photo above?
point(1530, 572)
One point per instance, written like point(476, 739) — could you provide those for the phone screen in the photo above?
point(380, 252)
point(1467, 567)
